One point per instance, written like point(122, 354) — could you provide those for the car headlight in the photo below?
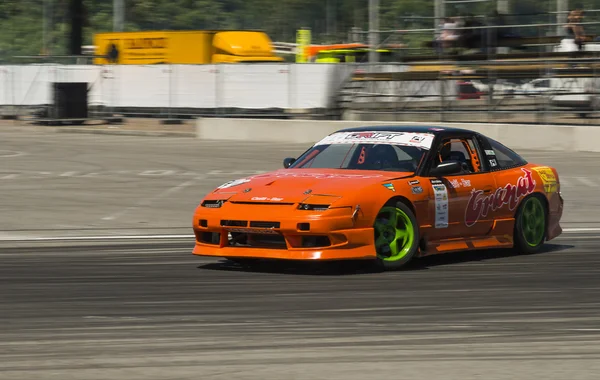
point(215, 203)
point(312, 207)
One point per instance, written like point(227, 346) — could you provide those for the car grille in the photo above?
point(265, 224)
point(234, 223)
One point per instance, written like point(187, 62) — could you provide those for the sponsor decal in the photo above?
point(493, 163)
point(414, 182)
point(441, 206)
point(233, 183)
point(548, 179)
point(274, 199)
point(389, 186)
point(421, 140)
point(417, 189)
point(436, 129)
point(479, 205)
point(457, 183)
point(436, 182)
point(363, 156)
point(490, 152)
point(372, 135)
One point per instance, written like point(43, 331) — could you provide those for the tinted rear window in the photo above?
point(505, 157)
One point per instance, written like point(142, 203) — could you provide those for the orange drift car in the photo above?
point(386, 193)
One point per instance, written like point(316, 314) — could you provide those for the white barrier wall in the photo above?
point(252, 86)
point(515, 136)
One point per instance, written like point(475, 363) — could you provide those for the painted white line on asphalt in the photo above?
point(583, 229)
point(564, 182)
point(587, 182)
point(150, 237)
point(11, 153)
point(148, 201)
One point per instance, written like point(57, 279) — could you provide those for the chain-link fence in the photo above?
point(534, 91)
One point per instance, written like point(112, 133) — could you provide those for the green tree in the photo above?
point(330, 20)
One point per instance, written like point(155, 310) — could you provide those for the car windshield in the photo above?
point(399, 152)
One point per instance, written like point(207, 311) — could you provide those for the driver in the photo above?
point(382, 156)
point(446, 154)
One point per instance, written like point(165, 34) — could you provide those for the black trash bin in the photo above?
point(70, 101)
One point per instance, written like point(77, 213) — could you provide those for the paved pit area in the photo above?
point(79, 184)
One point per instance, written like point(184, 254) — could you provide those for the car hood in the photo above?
point(296, 185)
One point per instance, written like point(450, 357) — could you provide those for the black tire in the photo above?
point(524, 224)
point(411, 246)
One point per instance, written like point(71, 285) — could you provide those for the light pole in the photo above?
point(439, 13)
point(562, 7)
point(373, 30)
point(118, 15)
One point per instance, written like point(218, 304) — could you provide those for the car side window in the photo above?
point(462, 150)
point(504, 157)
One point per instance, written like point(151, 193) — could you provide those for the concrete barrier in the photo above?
point(516, 136)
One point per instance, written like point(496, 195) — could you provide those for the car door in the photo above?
point(514, 180)
point(457, 201)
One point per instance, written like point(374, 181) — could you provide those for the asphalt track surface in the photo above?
point(148, 309)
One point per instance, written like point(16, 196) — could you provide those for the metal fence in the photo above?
point(551, 91)
point(563, 90)
point(533, 91)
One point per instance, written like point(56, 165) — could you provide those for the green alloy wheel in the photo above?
point(530, 225)
point(396, 235)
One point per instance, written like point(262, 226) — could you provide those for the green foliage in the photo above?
point(330, 20)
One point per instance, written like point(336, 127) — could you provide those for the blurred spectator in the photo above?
point(574, 27)
point(498, 19)
point(473, 37)
point(113, 54)
point(449, 32)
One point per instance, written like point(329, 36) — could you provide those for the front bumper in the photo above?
point(277, 232)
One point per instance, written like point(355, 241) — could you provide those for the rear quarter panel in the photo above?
point(516, 184)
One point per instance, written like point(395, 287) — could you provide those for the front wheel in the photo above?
point(396, 236)
point(530, 225)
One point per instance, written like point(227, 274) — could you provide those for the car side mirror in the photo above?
point(446, 168)
point(287, 162)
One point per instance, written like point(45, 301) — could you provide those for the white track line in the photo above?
point(148, 201)
point(587, 182)
point(582, 229)
point(156, 237)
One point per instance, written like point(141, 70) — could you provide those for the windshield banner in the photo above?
point(420, 140)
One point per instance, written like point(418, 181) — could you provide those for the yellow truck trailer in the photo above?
point(183, 47)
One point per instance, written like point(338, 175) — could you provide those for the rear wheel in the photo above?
point(396, 235)
point(530, 225)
